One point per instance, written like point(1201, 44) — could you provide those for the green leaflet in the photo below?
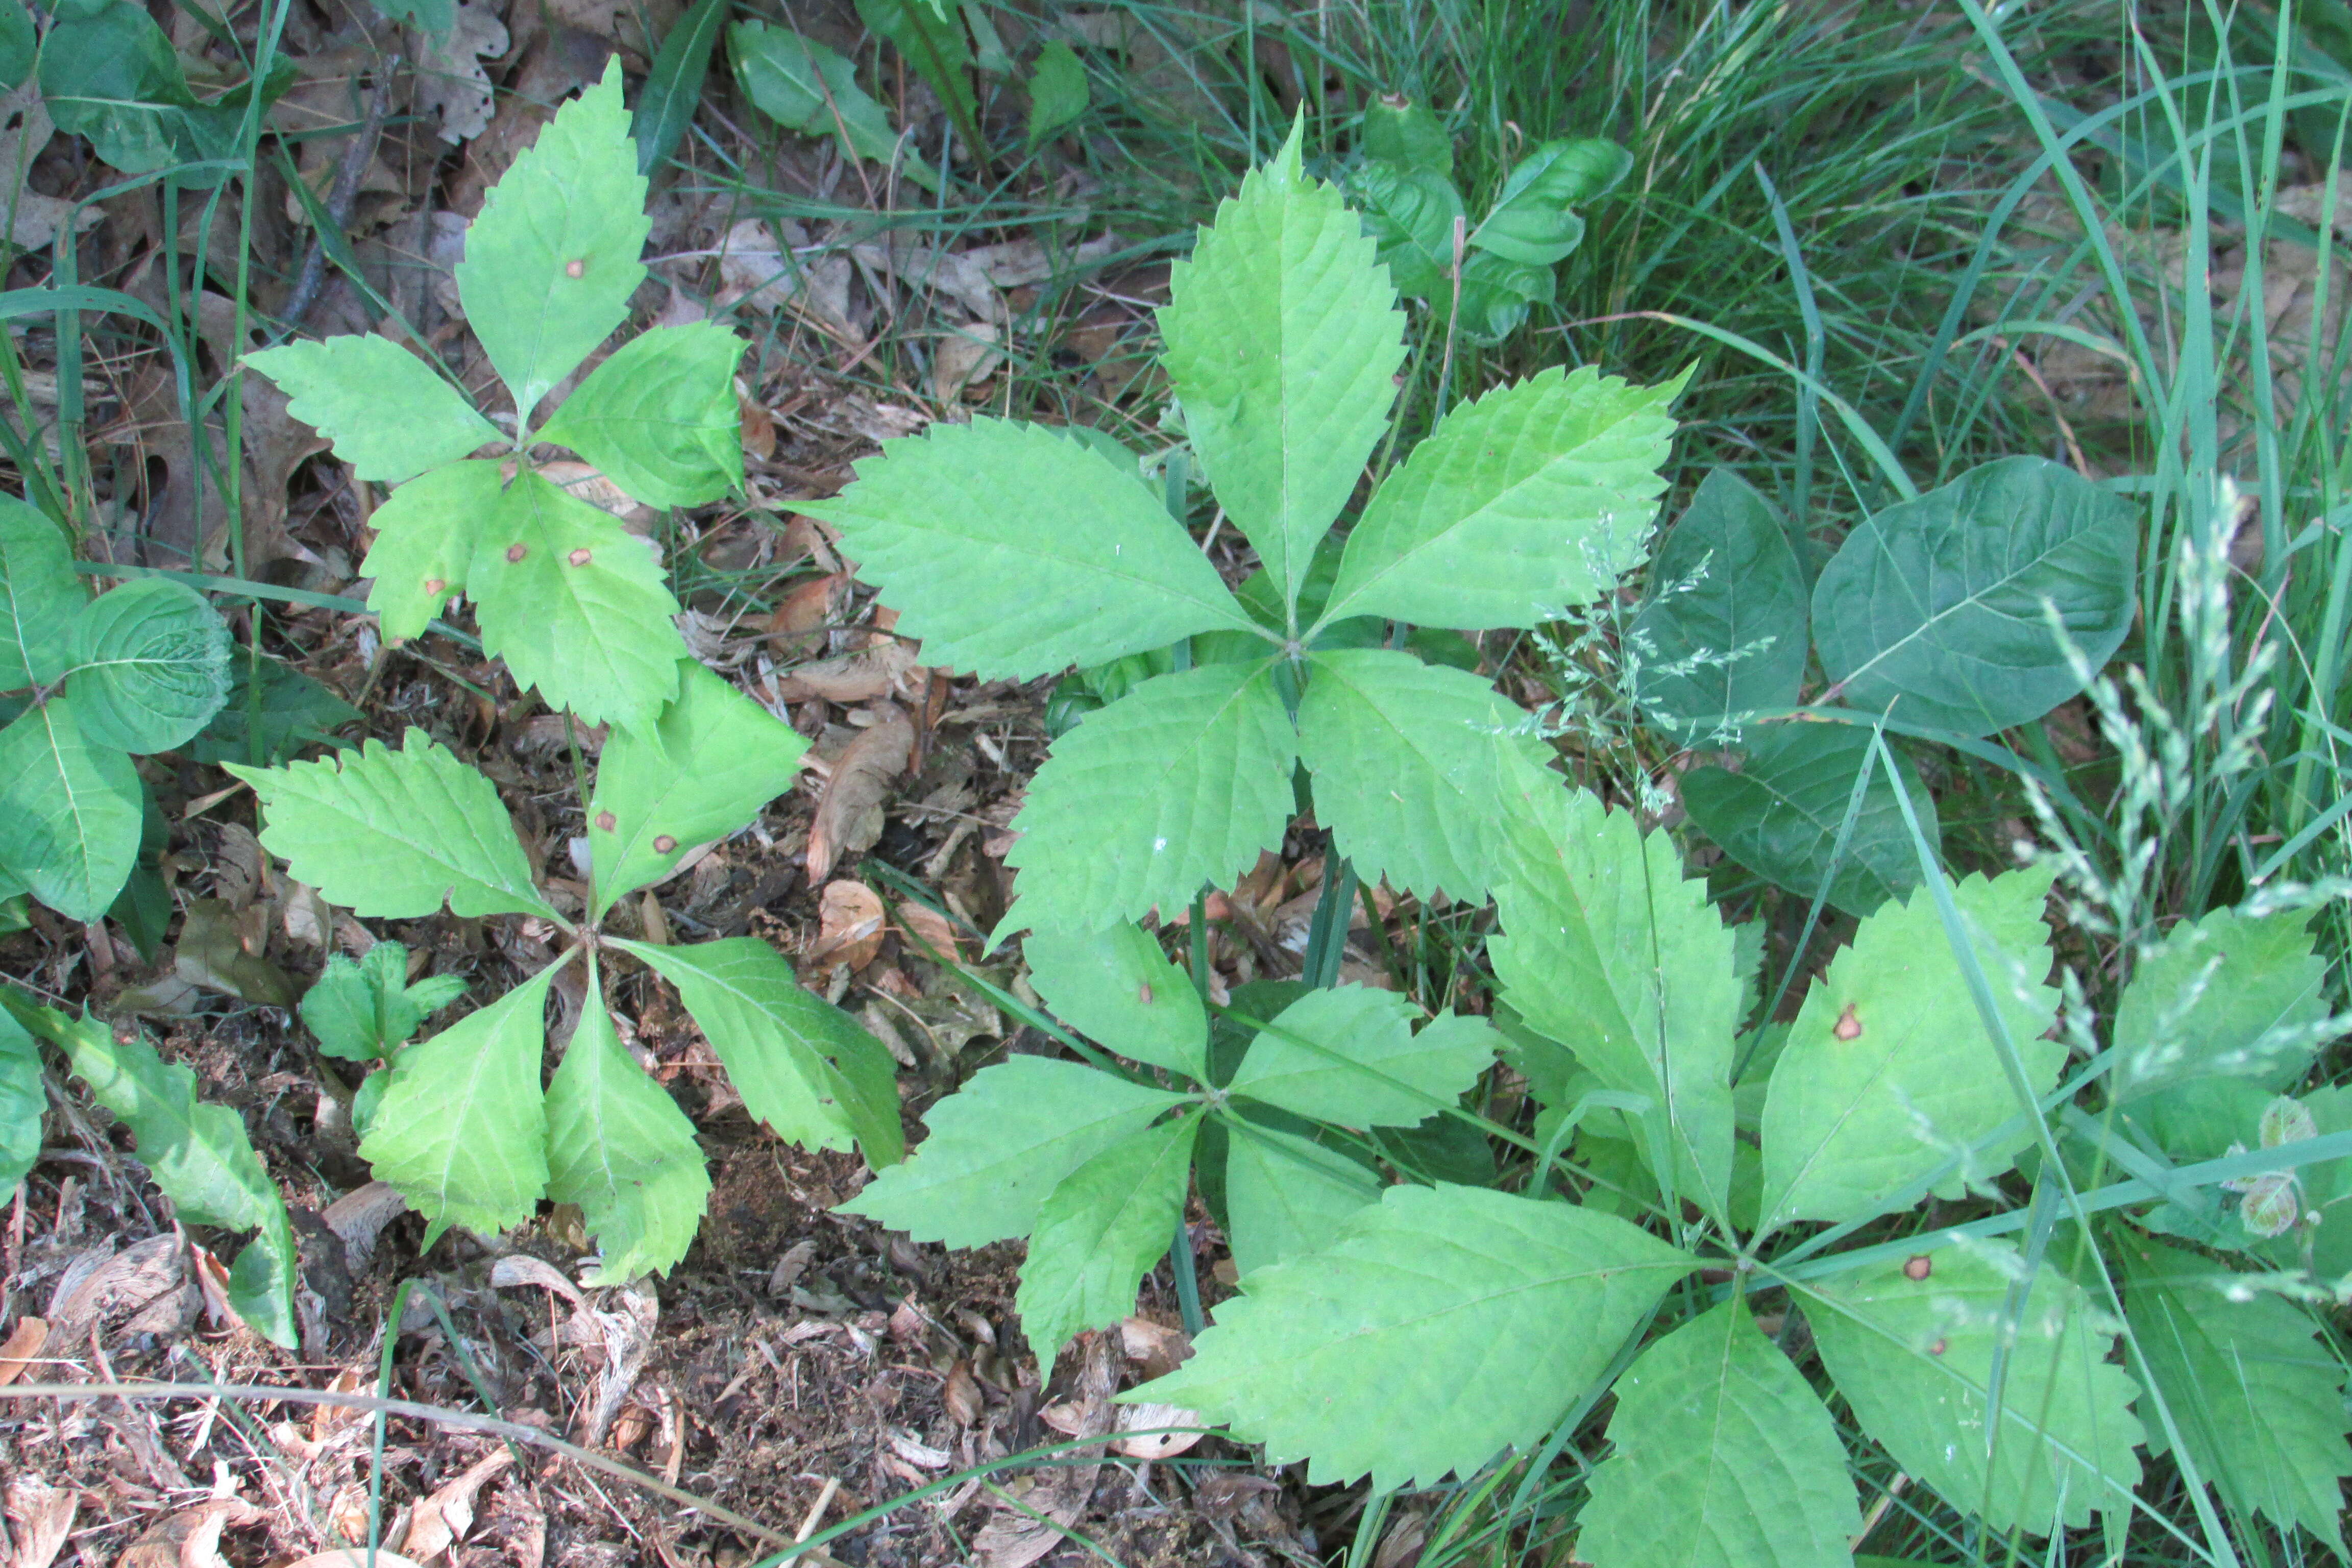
point(1608, 949)
point(800, 1063)
point(2258, 1397)
point(1410, 214)
point(809, 88)
point(1377, 1354)
point(1117, 986)
point(619, 1147)
point(674, 88)
point(1409, 135)
point(426, 533)
point(2228, 995)
point(1058, 91)
point(575, 604)
point(1723, 630)
point(1888, 1073)
point(1284, 1194)
point(1530, 499)
point(1307, 1059)
point(289, 712)
point(1529, 223)
point(393, 834)
point(1915, 1359)
point(659, 416)
point(1180, 782)
point(1779, 814)
point(552, 259)
point(360, 1011)
point(1282, 339)
point(1013, 552)
point(198, 1154)
point(22, 1103)
point(1725, 1458)
point(70, 811)
point(150, 666)
point(706, 767)
point(1100, 1228)
point(462, 1128)
point(1003, 1142)
point(1939, 602)
point(1409, 762)
point(39, 594)
point(389, 414)
point(19, 45)
point(933, 44)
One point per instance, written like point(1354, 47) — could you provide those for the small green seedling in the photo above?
point(367, 1011)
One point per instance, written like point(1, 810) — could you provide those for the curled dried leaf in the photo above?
point(849, 813)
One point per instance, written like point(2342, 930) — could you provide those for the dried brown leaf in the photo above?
point(849, 813)
point(849, 925)
point(443, 1519)
point(885, 668)
point(40, 1517)
point(19, 1348)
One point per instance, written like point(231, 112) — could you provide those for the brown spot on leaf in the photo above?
point(575, 267)
point(1918, 1268)
point(1143, 993)
point(580, 556)
point(606, 822)
point(516, 552)
point(1848, 1027)
point(436, 585)
point(1936, 1348)
point(664, 844)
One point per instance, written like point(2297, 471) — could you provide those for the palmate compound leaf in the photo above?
point(425, 534)
point(801, 1065)
point(2229, 995)
point(150, 666)
point(1725, 1459)
point(40, 594)
point(659, 416)
point(1888, 1073)
point(392, 834)
point(2259, 1400)
point(1115, 987)
point(552, 259)
point(461, 1132)
point(1915, 1359)
point(390, 415)
point(708, 766)
point(576, 606)
point(1350, 1054)
point(619, 1147)
point(1379, 1354)
point(1100, 1228)
point(1723, 630)
point(1181, 781)
point(1001, 1144)
point(1411, 761)
point(1936, 605)
point(1608, 949)
point(1285, 1195)
point(1014, 552)
point(1532, 498)
point(1283, 337)
point(21, 1102)
point(70, 811)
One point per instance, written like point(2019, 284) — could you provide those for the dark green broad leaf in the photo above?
point(1410, 214)
point(673, 89)
point(21, 1102)
point(1723, 629)
point(70, 811)
point(812, 91)
point(1530, 222)
point(273, 712)
point(933, 45)
point(108, 72)
point(1778, 816)
point(1409, 135)
point(17, 45)
point(1939, 608)
point(1497, 293)
point(150, 666)
point(40, 594)
point(1058, 91)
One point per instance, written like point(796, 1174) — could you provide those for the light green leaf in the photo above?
point(1779, 815)
point(660, 417)
point(2230, 996)
point(1411, 215)
point(552, 259)
point(1117, 986)
point(393, 834)
point(22, 1103)
point(199, 1156)
point(1939, 602)
point(1725, 1459)
point(70, 811)
point(1283, 336)
point(1528, 500)
point(1002, 1143)
point(1723, 630)
point(576, 606)
point(1100, 1228)
point(619, 1147)
point(1181, 781)
point(366, 1009)
point(1409, 135)
point(1058, 92)
point(1608, 949)
point(425, 534)
point(1409, 762)
point(1887, 1072)
point(1013, 552)
point(809, 88)
point(2258, 1399)
point(801, 1065)
point(1915, 1359)
point(40, 594)
point(461, 1131)
point(1495, 295)
point(1307, 1059)
point(1286, 1195)
point(389, 414)
point(1529, 222)
point(150, 666)
point(708, 766)
point(1379, 1354)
